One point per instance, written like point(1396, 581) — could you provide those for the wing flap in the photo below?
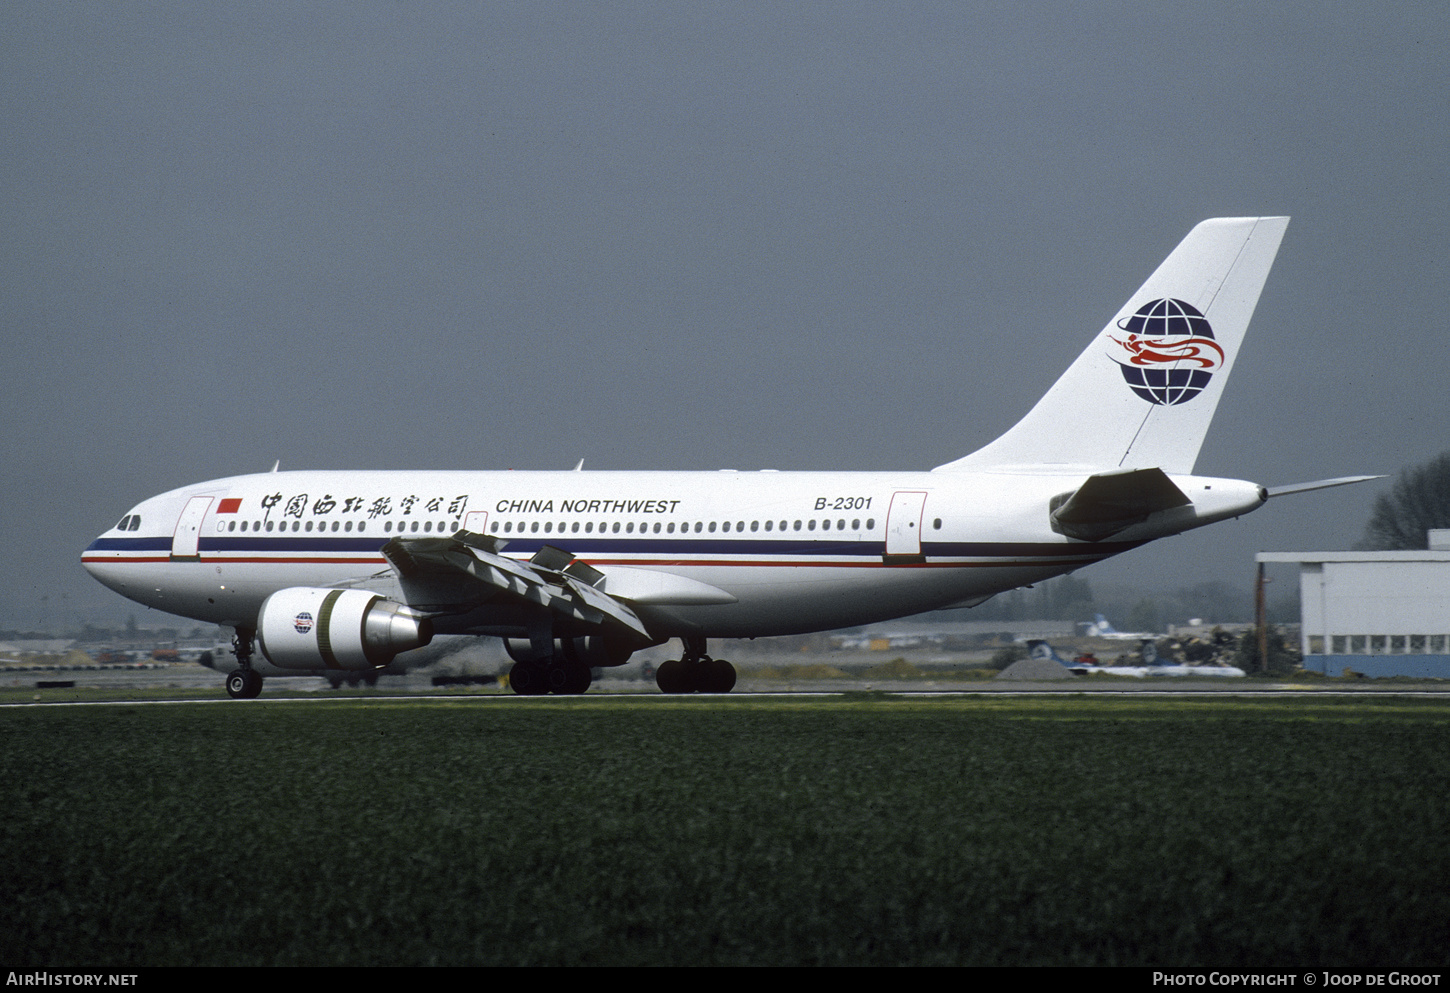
point(552, 579)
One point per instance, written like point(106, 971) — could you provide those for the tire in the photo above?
point(715, 676)
point(675, 676)
point(528, 679)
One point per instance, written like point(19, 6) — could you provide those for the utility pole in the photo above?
point(1259, 620)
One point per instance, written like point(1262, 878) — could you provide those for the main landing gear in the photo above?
point(244, 683)
point(548, 665)
point(695, 671)
point(556, 674)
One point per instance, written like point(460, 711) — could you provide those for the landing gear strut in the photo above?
point(695, 671)
point(244, 683)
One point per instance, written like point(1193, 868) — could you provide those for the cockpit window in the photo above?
point(123, 523)
point(135, 524)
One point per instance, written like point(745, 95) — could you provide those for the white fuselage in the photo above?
point(794, 551)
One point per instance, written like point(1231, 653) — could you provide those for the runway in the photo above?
point(184, 681)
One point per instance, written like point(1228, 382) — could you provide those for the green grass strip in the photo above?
point(648, 830)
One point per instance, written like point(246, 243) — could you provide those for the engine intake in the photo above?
point(308, 628)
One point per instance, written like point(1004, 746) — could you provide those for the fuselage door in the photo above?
point(476, 521)
point(903, 527)
point(185, 539)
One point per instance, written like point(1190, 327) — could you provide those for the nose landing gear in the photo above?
point(244, 683)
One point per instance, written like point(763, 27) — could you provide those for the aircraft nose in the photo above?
point(86, 553)
point(98, 559)
point(87, 562)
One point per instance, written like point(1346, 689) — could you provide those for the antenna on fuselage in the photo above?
point(580, 466)
point(276, 465)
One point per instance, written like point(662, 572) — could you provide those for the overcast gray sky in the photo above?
point(691, 236)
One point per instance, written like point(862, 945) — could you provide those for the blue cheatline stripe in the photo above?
point(155, 543)
point(588, 546)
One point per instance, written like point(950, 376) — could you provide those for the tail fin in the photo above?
point(1041, 650)
point(1144, 392)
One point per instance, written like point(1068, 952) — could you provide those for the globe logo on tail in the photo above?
point(1168, 355)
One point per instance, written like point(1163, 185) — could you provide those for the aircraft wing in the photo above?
point(552, 578)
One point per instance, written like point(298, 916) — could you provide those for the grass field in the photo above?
point(871, 830)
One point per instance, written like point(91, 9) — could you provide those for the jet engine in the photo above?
point(308, 628)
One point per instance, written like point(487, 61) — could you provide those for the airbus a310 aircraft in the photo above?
point(328, 571)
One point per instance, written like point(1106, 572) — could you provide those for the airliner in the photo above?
point(1101, 627)
point(328, 572)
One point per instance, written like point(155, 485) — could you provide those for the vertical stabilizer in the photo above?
point(1144, 392)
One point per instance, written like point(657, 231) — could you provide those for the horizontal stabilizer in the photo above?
point(1318, 484)
point(1112, 501)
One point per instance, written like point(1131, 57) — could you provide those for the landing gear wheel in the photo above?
point(244, 684)
point(675, 676)
point(714, 676)
point(577, 679)
point(567, 678)
point(528, 679)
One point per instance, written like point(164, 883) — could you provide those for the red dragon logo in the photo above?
point(1168, 351)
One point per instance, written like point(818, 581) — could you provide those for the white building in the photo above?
point(1379, 613)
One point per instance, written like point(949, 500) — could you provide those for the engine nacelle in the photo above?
point(307, 628)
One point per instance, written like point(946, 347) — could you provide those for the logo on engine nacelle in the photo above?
point(302, 622)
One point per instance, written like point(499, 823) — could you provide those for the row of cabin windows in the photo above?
point(133, 522)
point(296, 526)
point(426, 526)
point(658, 527)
